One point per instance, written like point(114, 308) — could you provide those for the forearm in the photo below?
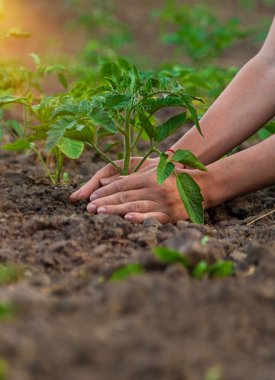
point(244, 106)
point(241, 173)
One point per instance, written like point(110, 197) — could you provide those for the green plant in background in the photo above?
point(4, 369)
point(10, 273)
point(7, 311)
point(198, 31)
point(122, 108)
point(219, 269)
point(107, 34)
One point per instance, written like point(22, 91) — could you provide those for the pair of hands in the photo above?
point(136, 196)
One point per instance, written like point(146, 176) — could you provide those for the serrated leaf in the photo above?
point(64, 110)
point(117, 101)
point(71, 148)
point(84, 134)
point(57, 131)
point(20, 144)
point(147, 126)
point(102, 119)
point(165, 169)
point(154, 105)
point(170, 256)
point(186, 157)
point(169, 127)
point(187, 99)
point(191, 197)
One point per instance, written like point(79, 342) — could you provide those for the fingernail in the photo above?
point(102, 210)
point(129, 217)
point(91, 207)
point(93, 197)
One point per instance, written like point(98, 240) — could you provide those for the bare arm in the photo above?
point(245, 105)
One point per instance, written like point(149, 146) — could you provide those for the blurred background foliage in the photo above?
point(201, 43)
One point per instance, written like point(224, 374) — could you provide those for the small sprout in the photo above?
point(7, 311)
point(214, 373)
point(10, 274)
point(200, 270)
point(205, 240)
point(66, 178)
point(125, 272)
point(4, 369)
point(170, 256)
point(221, 269)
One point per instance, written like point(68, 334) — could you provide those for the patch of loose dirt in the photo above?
point(160, 325)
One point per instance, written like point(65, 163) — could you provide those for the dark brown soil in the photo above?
point(71, 324)
point(159, 325)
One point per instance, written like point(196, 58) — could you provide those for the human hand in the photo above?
point(138, 196)
point(105, 176)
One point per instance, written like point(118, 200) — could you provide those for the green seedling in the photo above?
point(122, 108)
point(7, 311)
point(127, 271)
point(4, 369)
point(10, 274)
point(198, 30)
point(220, 269)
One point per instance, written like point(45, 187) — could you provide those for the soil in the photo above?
point(73, 323)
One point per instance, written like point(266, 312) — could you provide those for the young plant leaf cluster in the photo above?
point(219, 269)
point(122, 108)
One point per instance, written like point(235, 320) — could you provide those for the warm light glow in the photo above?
point(1, 8)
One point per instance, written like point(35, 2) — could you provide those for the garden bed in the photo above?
point(71, 322)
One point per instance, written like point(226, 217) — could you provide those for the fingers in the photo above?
point(94, 183)
point(131, 182)
point(143, 206)
point(120, 198)
point(136, 217)
point(108, 180)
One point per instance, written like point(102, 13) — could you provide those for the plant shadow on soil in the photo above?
point(159, 325)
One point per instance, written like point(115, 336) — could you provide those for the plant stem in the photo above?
point(59, 165)
point(44, 166)
point(127, 142)
point(136, 139)
point(151, 150)
point(105, 157)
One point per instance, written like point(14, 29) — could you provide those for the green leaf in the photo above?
point(187, 100)
point(62, 80)
point(200, 270)
point(102, 119)
point(10, 273)
point(20, 144)
point(186, 157)
point(57, 131)
point(147, 126)
point(117, 101)
point(221, 269)
point(170, 126)
point(7, 311)
point(4, 368)
point(170, 256)
point(110, 69)
point(123, 273)
point(165, 169)
point(153, 105)
point(10, 100)
point(71, 148)
point(191, 197)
